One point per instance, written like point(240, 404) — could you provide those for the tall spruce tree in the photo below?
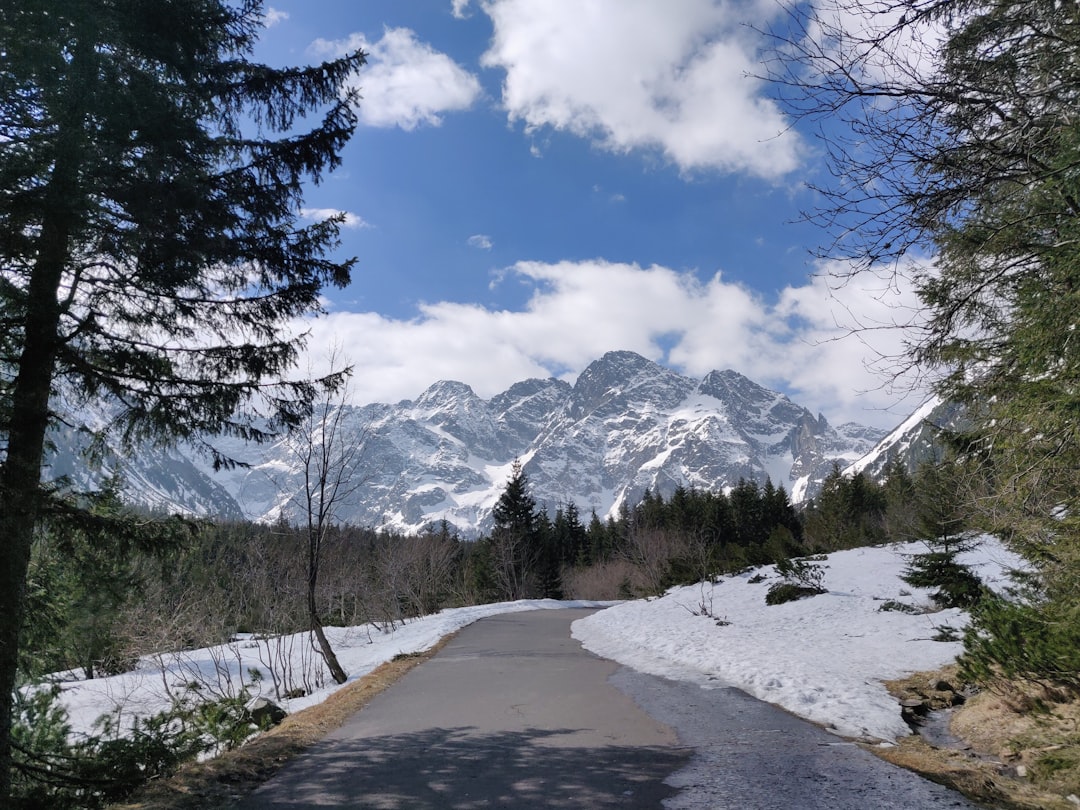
point(962, 142)
point(515, 538)
point(151, 176)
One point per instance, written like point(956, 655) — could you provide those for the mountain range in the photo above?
point(626, 425)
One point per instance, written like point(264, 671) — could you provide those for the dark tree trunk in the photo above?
point(20, 475)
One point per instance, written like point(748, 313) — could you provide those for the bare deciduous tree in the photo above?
point(328, 449)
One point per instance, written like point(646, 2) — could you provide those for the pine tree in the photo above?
point(941, 521)
point(150, 183)
point(848, 512)
point(515, 538)
point(900, 508)
point(972, 158)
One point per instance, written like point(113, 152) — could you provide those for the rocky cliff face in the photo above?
point(625, 426)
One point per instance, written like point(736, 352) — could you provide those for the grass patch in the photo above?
point(224, 780)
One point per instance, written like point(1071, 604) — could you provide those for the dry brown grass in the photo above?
point(1000, 730)
point(220, 782)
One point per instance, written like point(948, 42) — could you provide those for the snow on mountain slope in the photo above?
point(625, 426)
point(914, 441)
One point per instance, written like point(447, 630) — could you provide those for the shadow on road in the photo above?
point(459, 768)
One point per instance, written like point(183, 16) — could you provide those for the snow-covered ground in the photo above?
point(823, 658)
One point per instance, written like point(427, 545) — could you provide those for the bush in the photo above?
point(1021, 641)
point(802, 578)
point(789, 592)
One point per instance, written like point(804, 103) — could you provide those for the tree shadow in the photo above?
point(444, 769)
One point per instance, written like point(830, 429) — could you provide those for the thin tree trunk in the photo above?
point(336, 671)
point(314, 555)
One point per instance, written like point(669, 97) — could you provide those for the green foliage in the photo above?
point(54, 771)
point(151, 242)
point(1022, 639)
point(956, 585)
point(520, 552)
point(801, 572)
point(848, 512)
point(802, 578)
point(946, 633)
point(782, 592)
point(974, 162)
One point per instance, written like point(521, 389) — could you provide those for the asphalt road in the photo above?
point(512, 713)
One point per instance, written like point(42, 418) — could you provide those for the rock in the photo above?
point(265, 713)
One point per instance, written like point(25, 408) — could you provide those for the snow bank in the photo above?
point(823, 658)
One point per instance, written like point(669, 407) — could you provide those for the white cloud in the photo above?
point(274, 16)
point(907, 47)
point(481, 241)
point(579, 310)
point(460, 8)
point(406, 83)
point(351, 220)
point(636, 74)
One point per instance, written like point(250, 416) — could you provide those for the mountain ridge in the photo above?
point(626, 425)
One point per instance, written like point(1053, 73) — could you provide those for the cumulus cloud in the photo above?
point(460, 8)
point(406, 83)
point(798, 342)
point(637, 74)
point(351, 220)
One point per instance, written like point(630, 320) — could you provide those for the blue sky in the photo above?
point(536, 182)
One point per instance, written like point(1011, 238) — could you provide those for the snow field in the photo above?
point(823, 658)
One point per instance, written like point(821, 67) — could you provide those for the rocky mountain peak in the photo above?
point(627, 424)
point(620, 378)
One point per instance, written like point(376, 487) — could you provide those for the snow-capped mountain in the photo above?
point(625, 426)
point(915, 441)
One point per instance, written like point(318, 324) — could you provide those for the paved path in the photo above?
point(514, 714)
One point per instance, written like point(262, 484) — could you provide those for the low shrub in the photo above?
point(789, 592)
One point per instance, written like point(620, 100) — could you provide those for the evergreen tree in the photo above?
point(900, 508)
point(973, 158)
point(150, 185)
point(597, 541)
point(748, 516)
point(515, 538)
point(941, 521)
point(847, 513)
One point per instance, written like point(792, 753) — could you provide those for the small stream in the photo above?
point(934, 728)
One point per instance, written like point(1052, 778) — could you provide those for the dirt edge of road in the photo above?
point(224, 780)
